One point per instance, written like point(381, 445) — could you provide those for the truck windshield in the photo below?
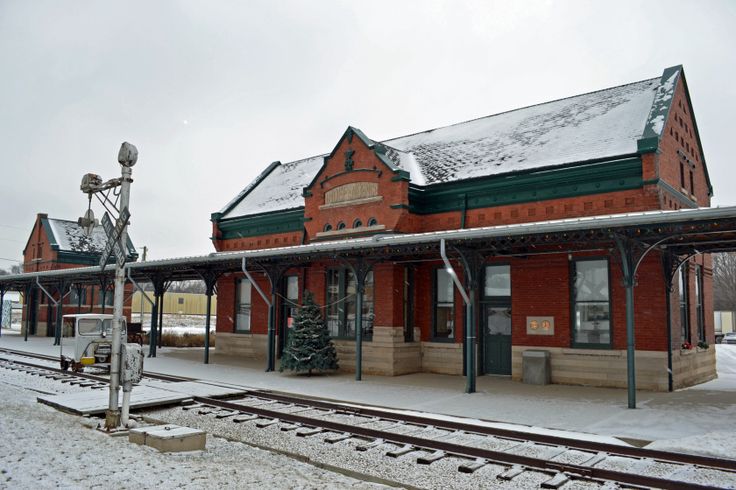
point(95, 326)
point(89, 326)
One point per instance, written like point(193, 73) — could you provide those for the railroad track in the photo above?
point(55, 359)
point(562, 460)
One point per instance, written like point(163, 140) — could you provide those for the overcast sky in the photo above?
point(212, 92)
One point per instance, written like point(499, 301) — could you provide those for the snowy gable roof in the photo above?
point(597, 125)
point(70, 237)
point(278, 188)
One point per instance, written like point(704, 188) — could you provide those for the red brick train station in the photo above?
point(628, 149)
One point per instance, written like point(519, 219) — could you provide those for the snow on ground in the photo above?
point(693, 412)
point(179, 324)
point(43, 448)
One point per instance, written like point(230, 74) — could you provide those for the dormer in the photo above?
point(360, 189)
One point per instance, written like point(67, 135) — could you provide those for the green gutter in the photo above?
point(262, 224)
point(516, 188)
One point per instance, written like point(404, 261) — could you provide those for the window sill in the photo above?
point(577, 348)
point(442, 340)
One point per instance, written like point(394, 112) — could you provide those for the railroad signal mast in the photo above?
point(114, 195)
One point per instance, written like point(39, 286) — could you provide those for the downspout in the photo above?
point(469, 337)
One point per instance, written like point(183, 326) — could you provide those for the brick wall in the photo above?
point(540, 286)
point(259, 242)
point(679, 134)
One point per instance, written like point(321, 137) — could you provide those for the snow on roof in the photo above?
point(280, 189)
point(71, 237)
point(596, 125)
point(665, 92)
point(601, 124)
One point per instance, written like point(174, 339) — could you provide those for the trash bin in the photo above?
point(535, 367)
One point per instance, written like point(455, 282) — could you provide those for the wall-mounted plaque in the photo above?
point(540, 325)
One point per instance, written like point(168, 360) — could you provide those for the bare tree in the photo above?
point(192, 286)
point(14, 269)
point(724, 282)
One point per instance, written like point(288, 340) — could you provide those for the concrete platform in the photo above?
point(95, 402)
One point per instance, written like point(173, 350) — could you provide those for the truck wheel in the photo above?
point(64, 365)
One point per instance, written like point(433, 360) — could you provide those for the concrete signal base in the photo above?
point(169, 438)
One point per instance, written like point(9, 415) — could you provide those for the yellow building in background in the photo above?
point(176, 303)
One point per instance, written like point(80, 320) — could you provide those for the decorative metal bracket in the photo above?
point(671, 264)
point(633, 252)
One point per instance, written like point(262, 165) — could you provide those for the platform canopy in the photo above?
point(682, 233)
point(676, 235)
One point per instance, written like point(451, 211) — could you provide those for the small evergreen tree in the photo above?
point(309, 346)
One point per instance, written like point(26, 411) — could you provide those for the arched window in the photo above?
point(341, 226)
point(357, 223)
point(372, 222)
point(328, 227)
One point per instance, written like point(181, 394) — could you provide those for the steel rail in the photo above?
point(45, 357)
point(612, 449)
point(538, 464)
point(57, 370)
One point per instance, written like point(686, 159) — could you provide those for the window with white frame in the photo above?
point(444, 306)
point(243, 305)
point(591, 303)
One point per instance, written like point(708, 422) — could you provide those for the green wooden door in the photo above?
point(497, 339)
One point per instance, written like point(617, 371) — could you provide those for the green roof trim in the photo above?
point(568, 181)
point(50, 234)
point(647, 145)
point(82, 258)
point(401, 175)
point(262, 224)
point(660, 111)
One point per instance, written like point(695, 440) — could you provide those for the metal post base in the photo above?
point(112, 419)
